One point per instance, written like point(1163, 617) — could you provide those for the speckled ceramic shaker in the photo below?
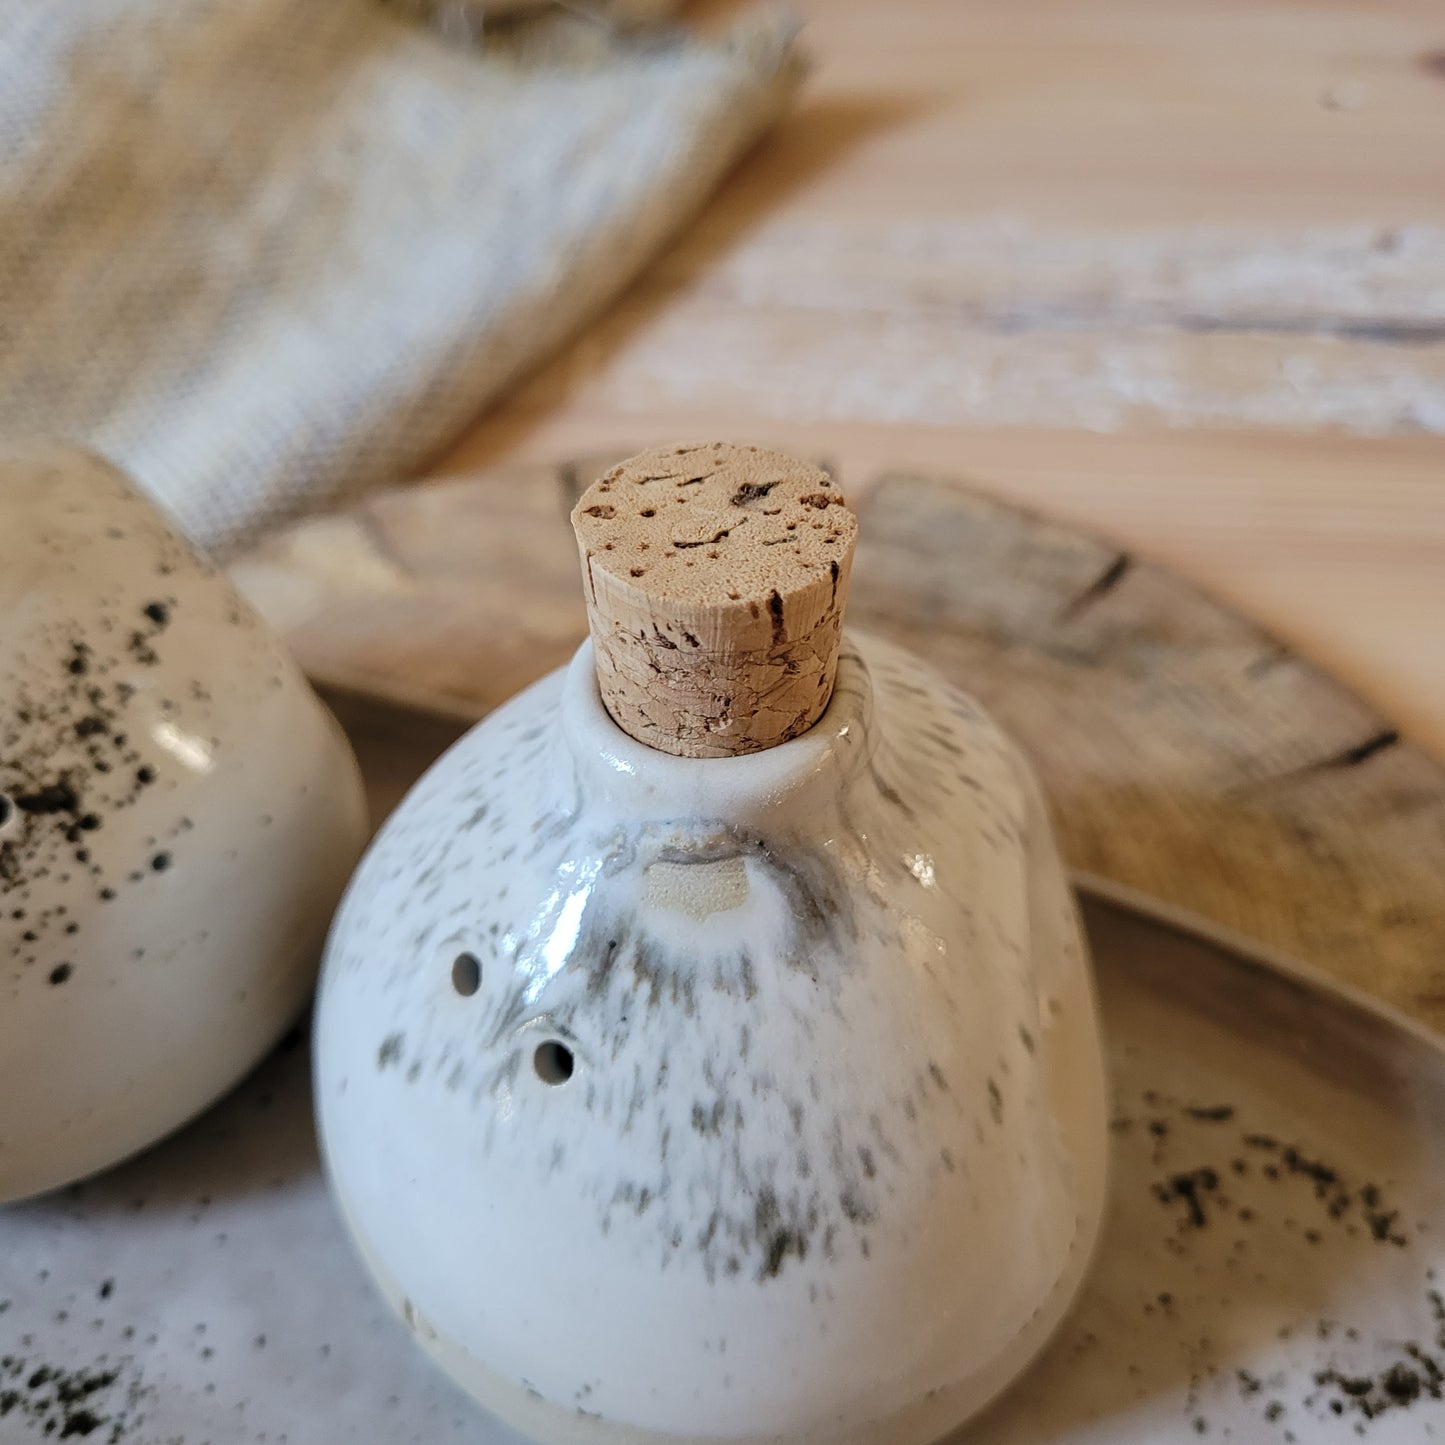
point(706, 1048)
point(178, 818)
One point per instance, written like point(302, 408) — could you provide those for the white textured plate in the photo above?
point(1268, 1270)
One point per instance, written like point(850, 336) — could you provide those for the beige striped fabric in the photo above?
point(267, 253)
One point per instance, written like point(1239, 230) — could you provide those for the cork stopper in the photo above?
point(715, 578)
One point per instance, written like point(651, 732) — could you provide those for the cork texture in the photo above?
point(715, 579)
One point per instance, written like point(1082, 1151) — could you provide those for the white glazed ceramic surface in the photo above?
point(738, 1099)
point(206, 1290)
point(178, 816)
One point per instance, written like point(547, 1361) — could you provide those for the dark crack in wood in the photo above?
point(1351, 757)
point(1362, 752)
point(1100, 587)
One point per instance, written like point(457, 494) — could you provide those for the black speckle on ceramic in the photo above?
point(745, 1038)
point(137, 739)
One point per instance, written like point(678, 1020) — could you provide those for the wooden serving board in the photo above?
point(1189, 756)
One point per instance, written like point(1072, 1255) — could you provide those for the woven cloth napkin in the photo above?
point(267, 253)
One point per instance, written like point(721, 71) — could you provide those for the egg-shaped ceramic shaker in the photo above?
point(706, 1047)
point(178, 817)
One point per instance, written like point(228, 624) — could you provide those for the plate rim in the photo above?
point(1247, 948)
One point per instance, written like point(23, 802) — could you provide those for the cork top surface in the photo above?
point(714, 523)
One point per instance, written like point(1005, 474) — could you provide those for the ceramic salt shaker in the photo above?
point(706, 1048)
point(178, 818)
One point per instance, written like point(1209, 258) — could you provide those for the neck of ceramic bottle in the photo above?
point(643, 784)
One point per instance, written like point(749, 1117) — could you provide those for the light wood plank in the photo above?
point(1143, 218)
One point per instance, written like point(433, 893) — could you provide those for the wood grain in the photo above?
point(1094, 213)
point(1170, 269)
point(1189, 755)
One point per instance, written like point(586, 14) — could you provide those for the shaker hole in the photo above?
point(7, 811)
point(466, 974)
point(553, 1062)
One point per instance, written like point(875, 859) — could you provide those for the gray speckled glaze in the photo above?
point(178, 816)
point(753, 1098)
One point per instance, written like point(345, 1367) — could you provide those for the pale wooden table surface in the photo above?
point(1173, 269)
